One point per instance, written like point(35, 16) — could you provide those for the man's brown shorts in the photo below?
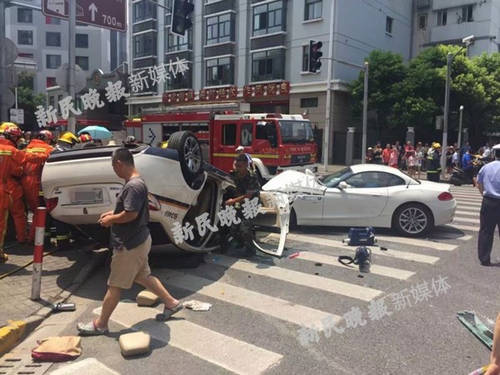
point(128, 265)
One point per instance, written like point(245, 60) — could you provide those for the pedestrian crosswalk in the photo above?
point(290, 291)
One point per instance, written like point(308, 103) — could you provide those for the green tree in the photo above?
point(27, 99)
point(387, 70)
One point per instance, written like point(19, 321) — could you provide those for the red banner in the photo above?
point(178, 97)
point(265, 90)
point(223, 93)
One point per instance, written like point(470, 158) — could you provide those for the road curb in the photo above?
point(16, 331)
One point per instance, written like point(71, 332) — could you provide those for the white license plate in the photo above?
point(93, 196)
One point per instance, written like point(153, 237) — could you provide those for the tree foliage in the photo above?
point(413, 95)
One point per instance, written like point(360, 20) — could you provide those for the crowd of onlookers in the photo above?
point(418, 158)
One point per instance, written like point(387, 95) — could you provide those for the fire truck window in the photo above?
point(246, 136)
point(261, 130)
point(229, 134)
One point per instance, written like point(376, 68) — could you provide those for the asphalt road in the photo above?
point(261, 308)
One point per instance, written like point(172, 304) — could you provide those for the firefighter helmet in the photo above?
point(46, 135)
point(70, 138)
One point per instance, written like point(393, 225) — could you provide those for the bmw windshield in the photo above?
point(293, 131)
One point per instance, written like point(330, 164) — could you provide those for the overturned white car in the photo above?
point(79, 185)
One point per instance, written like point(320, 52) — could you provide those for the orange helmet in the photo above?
point(46, 135)
point(13, 131)
point(85, 138)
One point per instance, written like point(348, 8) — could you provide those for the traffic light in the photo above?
point(181, 20)
point(315, 55)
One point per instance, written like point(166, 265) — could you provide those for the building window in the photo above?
point(179, 81)
point(25, 37)
point(442, 17)
point(52, 20)
point(422, 21)
point(220, 29)
point(305, 58)
point(388, 24)
point(268, 65)
point(145, 45)
point(52, 99)
point(82, 41)
point(229, 134)
point(179, 43)
point(220, 71)
point(53, 39)
point(467, 13)
point(51, 81)
point(308, 102)
point(313, 9)
point(53, 61)
point(144, 10)
point(83, 62)
point(268, 18)
point(24, 15)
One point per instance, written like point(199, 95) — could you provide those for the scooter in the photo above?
point(460, 177)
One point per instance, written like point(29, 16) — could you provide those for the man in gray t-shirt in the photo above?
point(131, 243)
point(133, 198)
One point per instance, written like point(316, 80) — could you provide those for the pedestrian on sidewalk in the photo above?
point(394, 157)
point(488, 183)
point(419, 156)
point(131, 243)
point(386, 154)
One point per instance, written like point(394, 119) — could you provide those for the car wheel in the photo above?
point(190, 155)
point(413, 220)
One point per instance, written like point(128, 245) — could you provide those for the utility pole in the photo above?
point(330, 107)
point(4, 115)
point(449, 60)
point(460, 127)
point(365, 114)
point(71, 62)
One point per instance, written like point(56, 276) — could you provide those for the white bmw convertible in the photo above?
point(367, 195)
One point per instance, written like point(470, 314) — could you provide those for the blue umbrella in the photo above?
point(97, 132)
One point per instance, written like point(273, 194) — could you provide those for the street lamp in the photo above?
point(460, 127)
point(467, 41)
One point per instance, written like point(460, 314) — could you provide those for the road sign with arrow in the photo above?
point(109, 14)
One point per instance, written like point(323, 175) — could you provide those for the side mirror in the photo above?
point(342, 185)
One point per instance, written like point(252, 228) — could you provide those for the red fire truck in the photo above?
point(274, 141)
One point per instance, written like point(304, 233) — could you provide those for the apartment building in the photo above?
point(42, 44)
point(255, 52)
point(448, 21)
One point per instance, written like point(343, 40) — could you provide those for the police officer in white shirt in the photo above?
point(488, 182)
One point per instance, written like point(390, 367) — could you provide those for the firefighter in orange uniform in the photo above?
point(37, 152)
point(11, 166)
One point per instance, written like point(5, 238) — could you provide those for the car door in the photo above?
point(364, 198)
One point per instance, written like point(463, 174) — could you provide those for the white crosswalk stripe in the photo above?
point(415, 257)
point(224, 351)
point(464, 227)
point(466, 220)
point(467, 213)
point(469, 206)
point(418, 242)
point(275, 307)
point(299, 278)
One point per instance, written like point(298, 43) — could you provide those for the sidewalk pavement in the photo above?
point(63, 272)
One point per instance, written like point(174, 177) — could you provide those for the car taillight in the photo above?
point(445, 196)
point(154, 205)
point(51, 203)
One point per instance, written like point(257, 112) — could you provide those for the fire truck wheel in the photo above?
point(190, 156)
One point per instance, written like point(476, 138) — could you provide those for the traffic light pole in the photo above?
point(4, 115)
point(71, 62)
point(330, 101)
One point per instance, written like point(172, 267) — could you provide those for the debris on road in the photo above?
point(294, 255)
point(197, 305)
point(63, 307)
point(147, 298)
point(134, 343)
point(477, 327)
point(58, 349)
